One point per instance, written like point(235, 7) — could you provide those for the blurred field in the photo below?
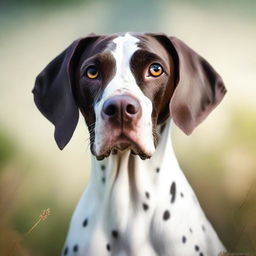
point(218, 158)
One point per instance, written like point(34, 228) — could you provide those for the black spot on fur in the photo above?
point(115, 234)
point(75, 248)
point(166, 215)
point(103, 167)
point(158, 170)
point(145, 206)
point(103, 180)
point(147, 195)
point(184, 239)
point(66, 251)
point(173, 192)
point(203, 228)
point(108, 247)
point(181, 194)
point(201, 254)
point(190, 230)
point(196, 248)
point(85, 222)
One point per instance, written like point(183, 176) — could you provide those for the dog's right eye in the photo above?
point(155, 70)
point(92, 72)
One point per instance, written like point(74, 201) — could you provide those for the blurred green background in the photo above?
point(219, 158)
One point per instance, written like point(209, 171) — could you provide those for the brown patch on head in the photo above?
point(193, 89)
point(158, 89)
point(199, 88)
point(53, 90)
point(88, 91)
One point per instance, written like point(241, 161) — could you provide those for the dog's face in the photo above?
point(125, 85)
point(117, 85)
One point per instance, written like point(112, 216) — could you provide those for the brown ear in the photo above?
point(199, 88)
point(53, 91)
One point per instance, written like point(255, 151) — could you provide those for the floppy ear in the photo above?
point(199, 88)
point(53, 91)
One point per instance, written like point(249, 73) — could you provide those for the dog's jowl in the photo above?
point(130, 88)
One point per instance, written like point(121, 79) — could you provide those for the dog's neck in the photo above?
point(142, 203)
point(125, 175)
point(134, 186)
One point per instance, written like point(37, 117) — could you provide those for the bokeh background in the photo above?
point(219, 158)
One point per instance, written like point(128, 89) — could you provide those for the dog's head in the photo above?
point(125, 85)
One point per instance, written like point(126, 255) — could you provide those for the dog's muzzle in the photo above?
point(121, 115)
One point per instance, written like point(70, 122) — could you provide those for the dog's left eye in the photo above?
point(155, 70)
point(92, 72)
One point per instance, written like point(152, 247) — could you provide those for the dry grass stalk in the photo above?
point(43, 216)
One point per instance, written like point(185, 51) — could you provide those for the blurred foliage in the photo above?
point(244, 128)
point(40, 2)
point(21, 202)
point(222, 2)
point(7, 148)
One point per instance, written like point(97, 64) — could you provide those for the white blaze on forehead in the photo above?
point(124, 82)
point(125, 47)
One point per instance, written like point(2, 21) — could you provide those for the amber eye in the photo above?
point(155, 70)
point(92, 72)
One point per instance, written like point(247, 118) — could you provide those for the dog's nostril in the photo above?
point(121, 106)
point(110, 110)
point(131, 109)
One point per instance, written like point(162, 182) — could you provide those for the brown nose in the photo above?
point(121, 108)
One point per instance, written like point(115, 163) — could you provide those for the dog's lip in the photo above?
point(122, 142)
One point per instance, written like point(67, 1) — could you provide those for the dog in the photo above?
point(130, 88)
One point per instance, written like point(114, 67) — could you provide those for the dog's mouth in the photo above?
point(121, 143)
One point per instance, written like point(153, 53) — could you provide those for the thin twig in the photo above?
point(42, 217)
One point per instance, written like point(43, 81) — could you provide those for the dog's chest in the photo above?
point(134, 207)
